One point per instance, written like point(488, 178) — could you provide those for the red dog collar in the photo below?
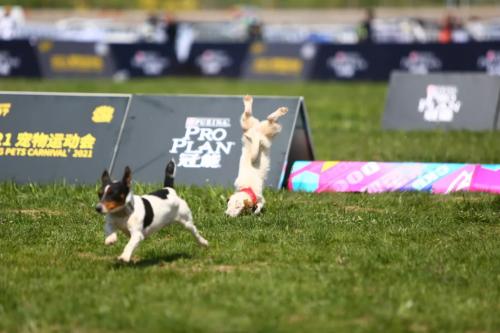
point(251, 193)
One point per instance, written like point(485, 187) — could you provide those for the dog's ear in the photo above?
point(127, 176)
point(105, 178)
point(248, 203)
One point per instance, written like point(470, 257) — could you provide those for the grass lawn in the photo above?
point(399, 262)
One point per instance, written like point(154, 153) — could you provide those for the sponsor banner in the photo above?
point(486, 178)
point(483, 57)
point(203, 134)
point(378, 177)
point(18, 58)
point(414, 59)
point(377, 61)
point(216, 59)
point(58, 137)
point(344, 62)
point(442, 101)
point(144, 59)
point(75, 59)
point(279, 61)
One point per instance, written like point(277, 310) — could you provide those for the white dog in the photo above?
point(140, 216)
point(255, 160)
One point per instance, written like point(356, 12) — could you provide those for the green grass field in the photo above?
point(399, 262)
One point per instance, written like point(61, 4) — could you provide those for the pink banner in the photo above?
point(376, 177)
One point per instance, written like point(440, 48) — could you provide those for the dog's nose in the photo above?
point(98, 208)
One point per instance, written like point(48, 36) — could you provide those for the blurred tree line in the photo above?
point(199, 4)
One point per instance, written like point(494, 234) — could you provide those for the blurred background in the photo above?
point(338, 21)
point(222, 38)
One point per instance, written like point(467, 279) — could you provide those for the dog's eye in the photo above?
point(100, 193)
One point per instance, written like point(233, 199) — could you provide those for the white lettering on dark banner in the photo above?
point(8, 63)
point(418, 62)
point(211, 62)
point(490, 62)
point(203, 144)
point(346, 64)
point(152, 63)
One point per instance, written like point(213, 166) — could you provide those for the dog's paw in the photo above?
point(247, 99)
point(203, 242)
point(282, 110)
point(247, 102)
point(258, 209)
point(111, 239)
point(277, 114)
point(123, 258)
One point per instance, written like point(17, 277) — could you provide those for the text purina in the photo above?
point(203, 145)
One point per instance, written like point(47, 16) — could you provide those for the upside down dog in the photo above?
point(255, 159)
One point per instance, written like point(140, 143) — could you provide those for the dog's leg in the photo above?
point(259, 206)
point(135, 238)
point(280, 112)
point(110, 234)
point(192, 228)
point(185, 218)
point(255, 146)
point(247, 121)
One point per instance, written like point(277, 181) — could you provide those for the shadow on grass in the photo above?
point(496, 203)
point(155, 261)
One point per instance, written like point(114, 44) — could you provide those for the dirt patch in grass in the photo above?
point(35, 212)
point(200, 268)
point(296, 318)
point(456, 198)
point(94, 257)
point(363, 209)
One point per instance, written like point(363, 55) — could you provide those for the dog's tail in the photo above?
point(169, 174)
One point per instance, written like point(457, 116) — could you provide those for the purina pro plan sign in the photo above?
point(203, 135)
point(447, 101)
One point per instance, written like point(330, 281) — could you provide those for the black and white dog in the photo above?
point(140, 216)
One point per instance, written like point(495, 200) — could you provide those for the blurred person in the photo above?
point(153, 29)
point(459, 33)
point(254, 31)
point(365, 29)
point(446, 30)
point(419, 31)
point(171, 27)
point(10, 20)
point(185, 39)
point(453, 31)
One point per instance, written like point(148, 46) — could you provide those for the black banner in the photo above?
point(482, 57)
point(376, 61)
point(18, 58)
point(58, 137)
point(321, 61)
point(344, 62)
point(414, 59)
point(144, 60)
point(215, 59)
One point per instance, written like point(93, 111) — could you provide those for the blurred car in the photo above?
point(484, 30)
point(404, 30)
point(318, 33)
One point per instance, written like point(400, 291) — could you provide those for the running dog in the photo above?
point(255, 159)
point(140, 216)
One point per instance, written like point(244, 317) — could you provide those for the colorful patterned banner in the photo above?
point(377, 177)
